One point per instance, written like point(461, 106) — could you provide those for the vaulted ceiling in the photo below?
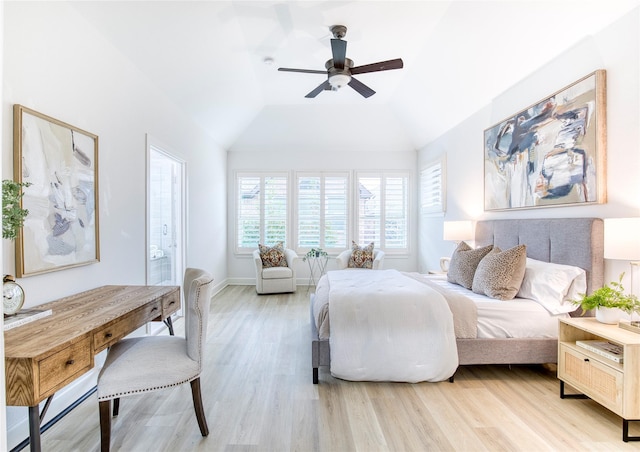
point(209, 58)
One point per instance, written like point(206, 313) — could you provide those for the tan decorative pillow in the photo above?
point(361, 256)
point(500, 273)
point(463, 264)
point(272, 256)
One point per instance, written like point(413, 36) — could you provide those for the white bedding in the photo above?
point(518, 318)
point(398, 329)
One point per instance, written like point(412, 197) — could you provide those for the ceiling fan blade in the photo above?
point(375, 67)
point(319, 89)
point(360, 87)
point(306, 71)
point(339, 50)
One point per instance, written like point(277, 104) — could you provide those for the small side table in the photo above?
point(317, 268)
point(437, 272)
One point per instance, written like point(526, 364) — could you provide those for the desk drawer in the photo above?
point(112, 333)
point(64, 365)
point(170, 303)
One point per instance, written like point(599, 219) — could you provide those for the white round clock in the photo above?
point(12, 295)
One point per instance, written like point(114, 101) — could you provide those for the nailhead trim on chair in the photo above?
point(121, 394)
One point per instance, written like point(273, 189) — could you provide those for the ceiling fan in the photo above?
point(340, 70)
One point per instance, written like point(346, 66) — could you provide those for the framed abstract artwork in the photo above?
point(59, 162)
point(551, 153)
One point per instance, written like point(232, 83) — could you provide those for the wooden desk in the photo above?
point(43, 356)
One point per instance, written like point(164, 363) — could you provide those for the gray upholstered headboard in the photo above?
point(570, 241)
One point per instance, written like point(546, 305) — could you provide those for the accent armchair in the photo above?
point(276, 279)
point(144, 364)
point(342, 259)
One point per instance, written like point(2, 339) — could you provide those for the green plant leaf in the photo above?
point(13, 214)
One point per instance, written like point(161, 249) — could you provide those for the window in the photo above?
point(383, 203)
point(322, 211)
point(262, 210)
point(432, 183)
point(329, 210)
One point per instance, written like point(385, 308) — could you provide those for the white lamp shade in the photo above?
point(622, 239)
point(457, 231)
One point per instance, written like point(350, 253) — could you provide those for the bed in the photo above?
point(575, 241)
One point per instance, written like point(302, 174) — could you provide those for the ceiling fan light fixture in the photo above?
point(337, 81)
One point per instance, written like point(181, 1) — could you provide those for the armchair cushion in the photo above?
point(361, 256)
point(273, 256)
point(277, 273)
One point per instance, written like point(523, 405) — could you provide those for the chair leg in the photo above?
point(196, 394)
point(105, 425)
point(116, 406)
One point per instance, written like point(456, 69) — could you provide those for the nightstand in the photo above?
point(437, 272)
point(614, 385)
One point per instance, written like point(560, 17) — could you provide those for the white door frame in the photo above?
point(181, 254)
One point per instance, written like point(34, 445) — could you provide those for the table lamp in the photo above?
point(458, 231)
point(622, 242)
point(455, 231)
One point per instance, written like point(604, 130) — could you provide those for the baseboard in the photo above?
point(252, 282)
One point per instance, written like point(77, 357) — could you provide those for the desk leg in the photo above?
point(169, 324)
point(34, 428)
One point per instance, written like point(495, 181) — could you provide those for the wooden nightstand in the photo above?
point(615, 386)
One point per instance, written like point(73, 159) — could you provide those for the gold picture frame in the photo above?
point(552, 153)
point(60, 164)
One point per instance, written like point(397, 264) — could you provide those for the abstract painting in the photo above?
point(60, 164)
point(551, 153)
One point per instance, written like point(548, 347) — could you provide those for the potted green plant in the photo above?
point(607, 300)
point(313, 253)
point(13, 214)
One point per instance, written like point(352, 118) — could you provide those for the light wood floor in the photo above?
point(258, 396)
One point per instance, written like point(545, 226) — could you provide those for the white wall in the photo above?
point(57, 64)
point(616, 49)
point(320, 138)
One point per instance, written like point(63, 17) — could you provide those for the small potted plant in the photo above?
point(13, 214)
point(608, 300)
point(314, 253)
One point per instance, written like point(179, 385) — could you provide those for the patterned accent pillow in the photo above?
point(500, 273)
point(272, 256)
point(463, 264)
point(361, 256)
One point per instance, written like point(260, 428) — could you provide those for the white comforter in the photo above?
point(401, 330)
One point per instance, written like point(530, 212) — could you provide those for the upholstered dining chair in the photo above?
point(144, 364)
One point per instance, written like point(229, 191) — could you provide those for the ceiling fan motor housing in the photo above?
point(339, 77)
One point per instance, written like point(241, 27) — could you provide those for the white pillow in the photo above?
point(554, 286)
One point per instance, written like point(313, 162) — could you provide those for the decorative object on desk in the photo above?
point(609, 296)
point(60, 162)
point(12, 295)
point(25, 316)
point(314, 252)
point(552, 152)
point(13, 214)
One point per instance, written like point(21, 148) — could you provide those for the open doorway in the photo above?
point(165, 217)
